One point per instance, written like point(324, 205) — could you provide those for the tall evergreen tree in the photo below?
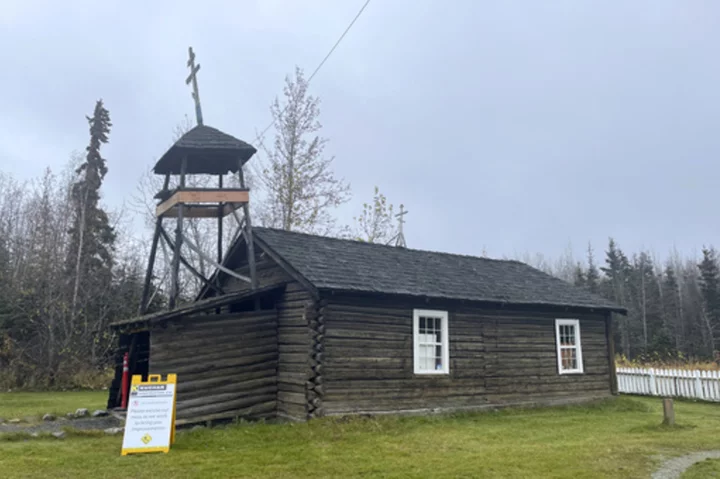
point(92, 237)
point(592, 276)
point(710, 287)
point(672, 307)
point(617, 272)
point(580, 278)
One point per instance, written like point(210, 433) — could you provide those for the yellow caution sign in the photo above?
point(150, 422)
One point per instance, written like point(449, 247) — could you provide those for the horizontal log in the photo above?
point(184, 404)
point(367, 335)
point(364, 373)
point(293, 377)
point(201, 386)
point(226, 376)
point(214, 366)
point(226, 387)
point(181, 357)
point(265, 409)
point(197, 342)
point(292, 398)
point(225, 406)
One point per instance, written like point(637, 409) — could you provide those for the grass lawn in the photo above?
point(703, 470)
point(27, 404)
point(618, 438)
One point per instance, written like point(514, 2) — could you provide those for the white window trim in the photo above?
point(576, 324)
point(443, 315)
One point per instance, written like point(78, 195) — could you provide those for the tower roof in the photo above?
point(208, 151)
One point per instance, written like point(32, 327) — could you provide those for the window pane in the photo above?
point(422, 325)
point(568, 358)
point(567, 335)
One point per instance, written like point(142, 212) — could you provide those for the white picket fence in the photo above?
point(694, 384)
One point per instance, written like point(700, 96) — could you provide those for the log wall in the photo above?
point(497, 357)
point(294, 345)
point(226, 364)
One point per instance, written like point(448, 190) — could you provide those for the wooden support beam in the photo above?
point(240, 196)
point(248, 229)
point(175, 281)
point(151, 261)
point(200, 210)
point(190, 267)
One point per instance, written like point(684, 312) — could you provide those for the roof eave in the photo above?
point(495, 302)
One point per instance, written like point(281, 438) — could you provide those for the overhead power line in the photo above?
point(261, 136)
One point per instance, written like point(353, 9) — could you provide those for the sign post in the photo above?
point(150, 422)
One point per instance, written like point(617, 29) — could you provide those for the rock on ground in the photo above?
point(59, 435)
point(112, 431)
point(100, 413)
point(82, 412)
point(13, 421)
point(673, 468)
point(48, 417)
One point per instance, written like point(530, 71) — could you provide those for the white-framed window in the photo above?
point(430, 342)
point(569, 348)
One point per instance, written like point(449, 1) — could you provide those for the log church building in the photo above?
point(298, 326)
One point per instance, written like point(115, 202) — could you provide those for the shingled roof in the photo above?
point(355, 266)
point(209, 151)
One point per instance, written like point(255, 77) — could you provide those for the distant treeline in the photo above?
point(673, 306)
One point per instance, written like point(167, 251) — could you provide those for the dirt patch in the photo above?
point(80, 424)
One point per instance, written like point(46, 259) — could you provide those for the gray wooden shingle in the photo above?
point(354, 266)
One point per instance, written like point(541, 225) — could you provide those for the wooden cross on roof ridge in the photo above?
point(194, 69)
point(400, 239)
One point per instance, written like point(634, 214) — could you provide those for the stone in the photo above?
point(13, 421)
point(113, 431)
point(195, 428)
point(70, 415)
point(100, 413)
point(59, 435)
point(34, 434)
point(48, 417)
point(82, 412)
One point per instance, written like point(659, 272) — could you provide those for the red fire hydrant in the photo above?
point(125, 381)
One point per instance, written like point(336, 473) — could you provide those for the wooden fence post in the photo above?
point(668, 412)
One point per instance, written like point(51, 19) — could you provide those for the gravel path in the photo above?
point(84, 424)
point(674, 468)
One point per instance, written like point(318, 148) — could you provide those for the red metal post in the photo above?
point(125, 381)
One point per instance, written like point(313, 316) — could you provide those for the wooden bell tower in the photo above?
point(201, 151)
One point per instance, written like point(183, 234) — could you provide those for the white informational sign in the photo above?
point(150, 422)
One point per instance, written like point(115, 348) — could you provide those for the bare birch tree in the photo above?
point(299, 186)
point(375, 223)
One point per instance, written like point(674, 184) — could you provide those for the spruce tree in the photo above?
point(710, 287)
point(617, 270)
point(672, 307)
point(580, 278)
point(92, 237)
point(592, 276)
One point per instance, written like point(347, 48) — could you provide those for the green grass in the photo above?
point(706, 469)
point(23, 405)
point(617, 438)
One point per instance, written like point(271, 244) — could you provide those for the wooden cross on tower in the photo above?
point(193, 78)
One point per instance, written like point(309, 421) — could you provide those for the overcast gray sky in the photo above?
point(506, 125)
